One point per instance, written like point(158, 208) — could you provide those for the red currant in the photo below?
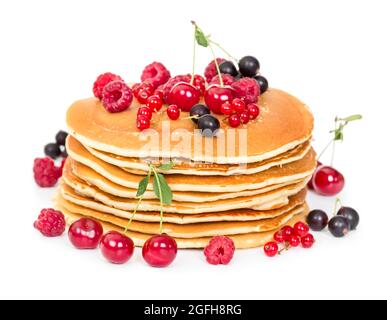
point(173, 112)
point(226, 108)
point(234, 120)
point(300, 229)
point(184, 95)
point(116, 247)
point(154, 103)
point(271, 249)
point(145, 111)
point(294, 241)
point(216, 95)
point(143, 122)
point(307, 241)
point(238, 105)
point(159, 251)
point(279, 236)
point(245, 118)
point(253, 111)
point(142, 91)
point(328, 181)
point(85, 233)
point(287, 232)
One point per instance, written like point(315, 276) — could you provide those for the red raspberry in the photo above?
point(62, 164)
point(246, 89)
point(199, 83)
point(156, 73)
point(228, 79)
point(102, 81)
point(220, 250)
point(117, 96)
point(210, 70)
point(51, 223)
point(171, 83)
point(142, 91)
point(46, 174)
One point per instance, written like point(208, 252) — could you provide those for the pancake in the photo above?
point(196, 230)
point(284, 123)
point(290, 172)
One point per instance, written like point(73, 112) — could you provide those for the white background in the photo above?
point(331, 54)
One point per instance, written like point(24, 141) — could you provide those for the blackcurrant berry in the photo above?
point(61, 138)
point(248, 66)
point(208, 124)
point(339, 226)
point(352, 216)
point(228, 67)
point(197, 111)
point(52, 150)
point(317, 220)
point(263, 83)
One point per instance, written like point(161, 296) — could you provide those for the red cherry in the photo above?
point(173, 112)
point(245, 118)
point(142, 91)
point(234, 120)
point(287, 232)
point(145, 111)
point(271, 249)
point(85, 233)
point(301, 229)
point(159, 251)
point(253, 111)
point(238, 105)
point(294, 241)
point(184, 95)
point(310, 183)
point(216, 95)
point(143, 122)
point(327, 181)
point(307, 241)
point(116, 247)
point(279, 236)
point(226, 108)
point(154, 103)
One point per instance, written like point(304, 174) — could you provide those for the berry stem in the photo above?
point(337, 201)
point(134, 213)
point(224, 50)
point(217, 66)
point(194, 57)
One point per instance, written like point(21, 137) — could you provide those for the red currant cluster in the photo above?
point(290, 237)
point(239, 112)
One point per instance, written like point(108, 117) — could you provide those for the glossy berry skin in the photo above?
point(301, 229)
point(262, 83)
point(244, 116)
point(317, 220)
point(197, 111)
point(327, 181)
point(310, 183)
point(238, 106)
point(159, 251)
point(226, 108)
point(145, 111)
point(253, 111)
point(279, 237)
point(173, 112)
point(287, 232)
point(208, 124)
point(249, 66)
point(234, 120)
point(307, 241)
point(271, 249)
point(184, 95)
point(199, 83)
point(116, 247)
point(60, 138)
point(215, 96)
point(352, 216)
point(52, 150)
point(339, 226)
point(154, 103)
point(142, 122)
point(294, 241)
point(228, 67)
point(85, 233)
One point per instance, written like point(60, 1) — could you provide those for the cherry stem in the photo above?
point(194, 57)
point(134, 213)
point(325, 149)
point(216, 65)
point(224, 50)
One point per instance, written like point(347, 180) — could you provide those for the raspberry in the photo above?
point(199, 83)
point(171, 83)
point(228, 80)
point(210, 70)
point(220, 250)
point(160, 91)
point(246, 89)
point(51, 223)
point(156, 73)
point(142, 91)
point(116, 96)
point(102, 81)
point(46, 174)
point(62, 164)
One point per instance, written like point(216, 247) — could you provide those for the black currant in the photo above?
point(352, 216)
point(228, 67)
point(61, 138)
point(248, 66)
point(198, 110)
point(317, 220)
point(208, 124)
point(52, 150)
point(339, 226)
point(262, 82)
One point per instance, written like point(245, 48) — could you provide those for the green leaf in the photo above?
point(201, 38)
point(142, 186)
point(352, 118)
point(166, 166)
point(162, 189)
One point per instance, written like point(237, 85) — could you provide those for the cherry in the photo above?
point(154, 103)
point(159, 251)
point(271, 249)
point(234, 120)
point(145, 111)
point(173, 112)
point(238, 106)
point(253, 111)
point(143, 122)
point(279, 236)
point(245, 118)
point(310, 183)
point(307, 241)
point(85, 233)
point(116, 247)
point(184, 95)
point(216, 95)
point(226, 108)
point(328, 181)
point(287, 232)
point(301, 229)
point(294, 241)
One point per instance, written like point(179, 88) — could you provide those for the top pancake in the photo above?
point(284, 123)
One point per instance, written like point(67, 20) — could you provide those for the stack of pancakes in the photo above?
point(245, 189)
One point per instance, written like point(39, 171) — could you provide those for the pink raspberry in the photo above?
point(171, 83)
point(156, 73)
point(220, 250)
point(246, 89)
point(102, 81)
point(51, 223)
point(199, 83)
point(142, 91)
point(46, 174)
point(117, 96)
point(227, 79)
point(210, 70)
